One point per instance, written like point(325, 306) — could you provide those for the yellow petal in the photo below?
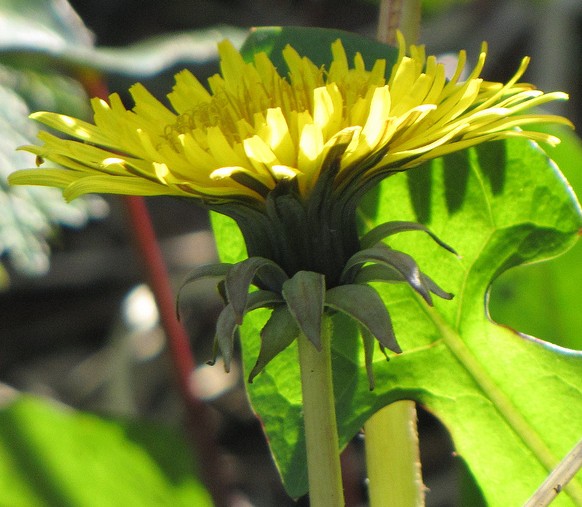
point(260, 155)
point(379, 115)
point(74, 128)
point(187, 93)
point(195, 155)
point(328, 109)
point(149, 108)
point(338, 69)
point(310, 148)
point(278, 137)
point(103, 184)
point(222, 151)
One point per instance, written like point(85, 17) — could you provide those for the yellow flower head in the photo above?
point(256, 128)
point(288, 158)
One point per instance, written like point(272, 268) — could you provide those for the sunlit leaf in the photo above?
point(314, 44)
point(543, 299)
point(510, 402)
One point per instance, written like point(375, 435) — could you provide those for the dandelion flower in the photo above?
point(255, 128)
point(288, 157)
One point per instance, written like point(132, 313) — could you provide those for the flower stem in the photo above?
point(321, 437)
point(392, 457)
point(392, 453)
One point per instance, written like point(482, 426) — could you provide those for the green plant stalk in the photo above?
point(392, 457)
point(392, 453)
point(321, 437)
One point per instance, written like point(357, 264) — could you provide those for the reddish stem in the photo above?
point(198, 420)
point(199, 427)
point(149, 250)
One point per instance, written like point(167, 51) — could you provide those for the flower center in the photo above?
point(219, 112)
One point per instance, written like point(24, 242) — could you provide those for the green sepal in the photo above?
point(330, 168)
point(226, 326)
point(364, 305)
point(251, 183)
point(221, 289)
point(377, 234)
point(205, 271)
point(378, 273)
point(240, 277)
point(305, 295)
point(403, 263)
point(434, 288)
point(227, 323)
point(286, 214)
point(277, 334)
point(385, 273)
point(369, 342)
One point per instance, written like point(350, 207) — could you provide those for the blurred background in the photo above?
point(78, 324)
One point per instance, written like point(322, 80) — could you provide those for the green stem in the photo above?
point(392, 457)
point(392, 453)
point(321, 437)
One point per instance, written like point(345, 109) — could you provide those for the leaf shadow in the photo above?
point(456, 175)
point(493, 160)
point(420, 188)
point(489, 159)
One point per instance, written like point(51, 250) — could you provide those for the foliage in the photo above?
point(31, 214)
point(49, 456)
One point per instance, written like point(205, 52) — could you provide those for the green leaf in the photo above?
point(42, 23)
point(505, 398)
point(278, 333)
point(30, 214)
point(543, 299)
point(52, 456)
point(37, 37)
point(315, 44)
point(512, 404)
